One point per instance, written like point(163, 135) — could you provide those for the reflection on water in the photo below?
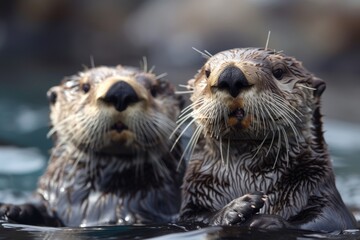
point(163, 232)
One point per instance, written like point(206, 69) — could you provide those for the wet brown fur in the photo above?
point(262, 150)
point(108, 166)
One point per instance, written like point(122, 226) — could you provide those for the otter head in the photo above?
point(254, 94)
point(113, 110)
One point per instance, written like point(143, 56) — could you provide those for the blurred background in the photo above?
point(43, 41)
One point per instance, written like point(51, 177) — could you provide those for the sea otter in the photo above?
point(258, 155)
point(111, 161)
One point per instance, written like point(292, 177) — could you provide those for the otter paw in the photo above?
point(24, 214)
point(240, 209)
point(9, 212)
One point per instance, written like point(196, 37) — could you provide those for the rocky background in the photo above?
point(43, 40)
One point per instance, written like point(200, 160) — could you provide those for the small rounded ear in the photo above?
point(319, 85)
point(52, 95)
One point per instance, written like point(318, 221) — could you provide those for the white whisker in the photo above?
point(161, 76)
point(144, 64)
point(260, 146)
point(190, 147)
point(228, 154)
point(221, 151)
point(267, 40)
point(271, 143)
point(182, 132)
point(204, 54)
point(303, 86)
point(151, 70)
point(185, 86)
point(286, 145)
point(184, 92)
point(278, 148)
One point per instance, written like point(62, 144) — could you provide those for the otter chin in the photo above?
point(258, 155)
point(111, 161)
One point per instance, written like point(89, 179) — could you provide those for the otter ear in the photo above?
point(319, 85)
point(52, 95)
point(191, 83)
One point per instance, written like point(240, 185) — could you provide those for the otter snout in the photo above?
point(121, 95)
point(233, 80)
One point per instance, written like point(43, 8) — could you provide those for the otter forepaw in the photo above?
point(9, 212)
point(25, 214)
point(240, 209)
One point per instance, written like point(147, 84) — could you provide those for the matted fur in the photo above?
point(261, 149)
point(109, 166)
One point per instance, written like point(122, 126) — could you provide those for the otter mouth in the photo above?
point(238, 113)
point(119, 127)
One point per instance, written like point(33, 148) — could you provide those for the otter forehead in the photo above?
point(257, 56)
point(99, 74)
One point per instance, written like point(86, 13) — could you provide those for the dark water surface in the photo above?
point(163, 232)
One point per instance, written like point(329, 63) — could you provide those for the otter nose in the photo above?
point(121, 95)
point(233, 80)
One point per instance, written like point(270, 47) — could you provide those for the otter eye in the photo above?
point(52, 96)
point(278, 73)
point(153, 91)
point(86, 87)
point(207, 73)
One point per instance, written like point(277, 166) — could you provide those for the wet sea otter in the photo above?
point(111, 161)
point(258, 146)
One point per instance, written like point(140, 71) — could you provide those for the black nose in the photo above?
point(121, 95)
point(233, 80)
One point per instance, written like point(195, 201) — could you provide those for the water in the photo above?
point(20, 168)
point(163, 232)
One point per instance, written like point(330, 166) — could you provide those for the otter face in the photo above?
point(252, 94)
point(113, 110)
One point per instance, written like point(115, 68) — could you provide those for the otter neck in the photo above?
point(115, 150)
point(269, 152)
point(144, 162)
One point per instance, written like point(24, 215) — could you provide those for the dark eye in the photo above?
point(207, 73)
point(278, 73)
point(86, 87)
point(153, 91)
point(52, 96)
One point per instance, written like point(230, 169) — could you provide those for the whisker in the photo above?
point(279, 147)
point(184, 92)
point(287, 105)
point(204, 54)
point(271, 143)
point(286, 145)
point(207, 53)
point(59, 125)
point(185, 86)
point(182, 132)
point(228, 154)
point(260, 146)
point(92, 61)
point(221, 151)
point(144, 64)
point(161, 76)
point(151, 70)
point(190, 147)
point(307, 87)
point(267, 40)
